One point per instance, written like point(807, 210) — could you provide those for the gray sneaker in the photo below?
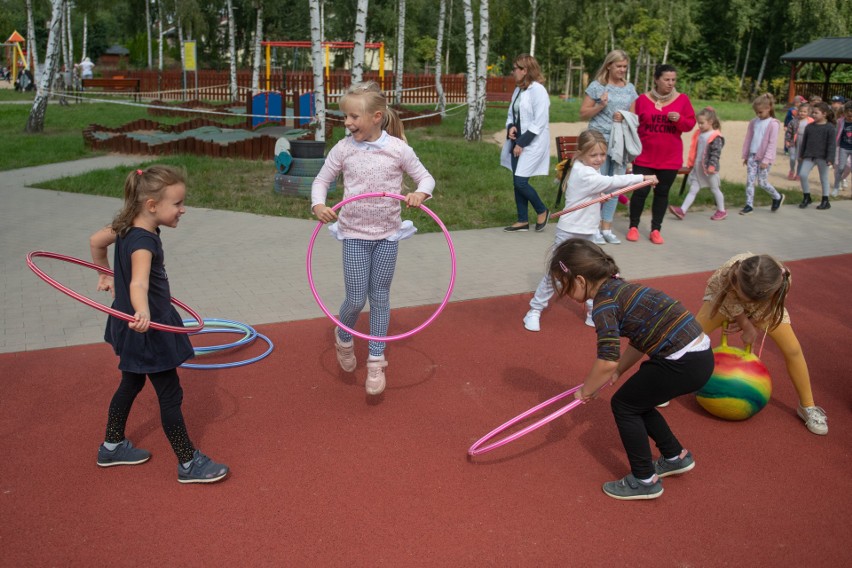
point(630, 488)
point(664, 467)
point(123, 454)
point(815, 419)
point(201, 470)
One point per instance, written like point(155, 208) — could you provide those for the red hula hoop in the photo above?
point(601, 198)
point(420, 327)
point(107, 310)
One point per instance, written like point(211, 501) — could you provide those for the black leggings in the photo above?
point(170, 396)
point(634, 405)
point(661, 196)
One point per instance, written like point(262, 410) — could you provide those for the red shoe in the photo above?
point(657, 238)
point(792, 175)
point(677, 212)
point(633, 234)
point(719, 215)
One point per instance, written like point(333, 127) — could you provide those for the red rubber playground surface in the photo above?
point(321, 476)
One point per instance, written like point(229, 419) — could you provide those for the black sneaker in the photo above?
point(776, 203)
point(664, 467)
point(201, 470)
point(630, 488)
point(746, 210)
point(123, 454)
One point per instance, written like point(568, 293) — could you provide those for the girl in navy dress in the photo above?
point(152, 197)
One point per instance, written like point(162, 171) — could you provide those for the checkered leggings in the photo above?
point(755, 173)
point(368, 268)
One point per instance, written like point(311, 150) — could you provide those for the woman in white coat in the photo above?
point(527, 149)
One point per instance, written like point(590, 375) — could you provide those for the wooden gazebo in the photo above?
point(828, 53)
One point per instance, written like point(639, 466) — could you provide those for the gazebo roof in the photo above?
point(823, 50)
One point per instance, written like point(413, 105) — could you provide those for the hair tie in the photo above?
point(564, 268)
point(139, 172)
point(616, 275)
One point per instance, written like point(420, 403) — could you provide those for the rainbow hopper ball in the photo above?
point(740, 385)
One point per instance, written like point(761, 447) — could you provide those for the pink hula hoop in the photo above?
point(358, 333)
point(601, 198)
point(107, 310)
point(480, 448)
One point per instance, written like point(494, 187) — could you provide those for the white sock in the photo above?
point(648, 481)
point(110, 446)
point(376, 358)
point(607, 231)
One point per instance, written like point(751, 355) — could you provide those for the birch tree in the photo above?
point(400, 54)
point(32, 48)
point(439, 86)
point(232, 52)
point(470, 76)
point(533, 19)
point(35, 122)
point(258, 37)
point(70, 37)
point(481, 71)
point(148, 30)
point(317, 60)
point(360, 41)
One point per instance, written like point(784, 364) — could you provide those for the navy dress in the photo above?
point(153, 351)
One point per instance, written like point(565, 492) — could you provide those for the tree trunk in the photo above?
point(85, 36)
point(32, 48)
point(439, 86)
point(400, 54)
point(35, 122)
point(232, 52)
point(317, 59)
point(481, 71)
point(533, 19)
point(762, 65)
point(745, 60)
point(71, 59)
point(568, 79)
point(470, 79)
point(360, 40)
point(258, 36)
point(148, 30)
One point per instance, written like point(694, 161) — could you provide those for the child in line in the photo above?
point(372, 159)
point(704, 155)
point(748, 292)
point(152, 198)
point(584, 182)
point(679, 361)
point(817, 150)
point(805, 119)
point(843, 160)
point(759, 151)
point(792, 137)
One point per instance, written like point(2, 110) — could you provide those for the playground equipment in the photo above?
point(328, 46)
point(18, 58)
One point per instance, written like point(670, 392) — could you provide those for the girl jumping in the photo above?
point(704, 155)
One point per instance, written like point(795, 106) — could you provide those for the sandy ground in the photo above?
point(731, 167)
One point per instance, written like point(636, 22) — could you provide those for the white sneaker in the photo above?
point(599, 239)
point(835, 192)
point(531, 320)
point(815, 419)
point(375, 377)
point(611, 238)
point(663, 404)
point(589, 321)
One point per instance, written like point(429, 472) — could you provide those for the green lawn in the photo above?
point(473, 191)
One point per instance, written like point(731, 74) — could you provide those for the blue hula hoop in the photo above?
point(230, 327)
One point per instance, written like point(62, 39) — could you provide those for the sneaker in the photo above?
point(815, 419)
point(663, 404)
point(719, 215)
point(656, 237)
point(664, 467)
point(633, 234)
point(776, 203)
point(677, 212)
point(345, 353)
point(201, 470)
point(791, 176)
point(599, 239)
point(746, 210)
point(797, 178)
point(611, 238)
point(630, 488)
point(375, 377)
point(123, 454)
point(531, 320)
point(589, 321)
point(835, 192)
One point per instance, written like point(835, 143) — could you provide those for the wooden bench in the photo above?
point(121, 84)
point(566, 148)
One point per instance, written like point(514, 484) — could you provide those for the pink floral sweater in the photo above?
point(370, 167)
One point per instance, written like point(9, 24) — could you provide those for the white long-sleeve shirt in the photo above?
point(584, 183)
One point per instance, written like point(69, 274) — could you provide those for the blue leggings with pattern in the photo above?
point(368, 268)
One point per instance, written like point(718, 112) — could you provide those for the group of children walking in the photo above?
point(673, 346)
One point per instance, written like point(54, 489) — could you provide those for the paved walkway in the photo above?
point(251, 268)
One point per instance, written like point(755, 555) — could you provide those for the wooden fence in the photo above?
point(825, 90)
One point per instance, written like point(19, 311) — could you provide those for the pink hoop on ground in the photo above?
point(480, 448)
point(389, 337)
point(107, 310)
point(601, 198)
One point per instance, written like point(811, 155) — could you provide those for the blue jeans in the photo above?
point(611, 168)
point(525, 195)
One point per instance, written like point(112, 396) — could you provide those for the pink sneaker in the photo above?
point(375, 377)
point(677, 212)
point(719, 215)
point(791, 175)
point(633, 234)
point(657, 238)
point(345, 353)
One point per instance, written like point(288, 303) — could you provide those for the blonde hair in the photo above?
point(764, 280)
point(709, 114)
point(528, 62)
point(764, 100)
point(139, 187)
point(614, 56)
point(371, 99)
point(588, 140)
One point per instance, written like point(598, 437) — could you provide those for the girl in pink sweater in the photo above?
point(373, 159)
point(759, 151)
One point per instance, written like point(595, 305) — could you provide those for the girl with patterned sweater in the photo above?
point(373, 159)
point(679, 361)
point(704, 155)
